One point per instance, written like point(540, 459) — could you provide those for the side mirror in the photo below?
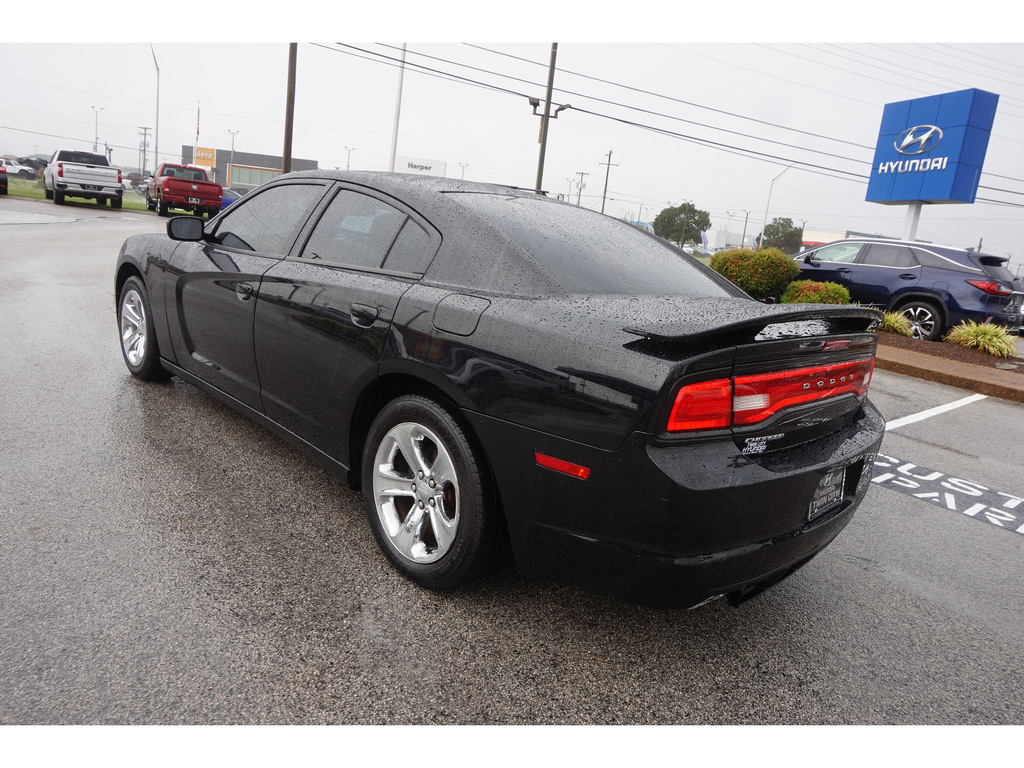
point(187, 228)
point(808, 258)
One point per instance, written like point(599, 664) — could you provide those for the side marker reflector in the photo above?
point(559, 465)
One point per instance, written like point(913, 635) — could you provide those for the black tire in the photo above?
point(138, 336)
point(150, 205)
point(433, 512)
point(3, 190)
point(925, 319)
point(115, 202)
point(47, 193)
point(58, 197)
point(101, 202)
point(161, 207)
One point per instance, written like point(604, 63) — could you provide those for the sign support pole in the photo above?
point(913, 217)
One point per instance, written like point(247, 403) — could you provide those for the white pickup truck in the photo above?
point(74, 173)
point(14, 169)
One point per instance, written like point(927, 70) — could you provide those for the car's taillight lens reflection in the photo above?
point(745, 400)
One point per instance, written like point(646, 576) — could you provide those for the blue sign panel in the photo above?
point(931, 150)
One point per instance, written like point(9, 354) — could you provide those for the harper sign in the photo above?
point(931, 150)
point(422, 167)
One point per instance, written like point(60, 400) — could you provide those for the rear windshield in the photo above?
point(587, 252)
point(85, 158)
point(995, 267)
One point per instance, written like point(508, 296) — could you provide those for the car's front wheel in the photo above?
point(925, 320)
point(138, 336)
point(428, 494)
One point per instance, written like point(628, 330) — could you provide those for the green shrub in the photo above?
point(993, 339)
point(762, 273)
point(813, 292)
point(896, 322)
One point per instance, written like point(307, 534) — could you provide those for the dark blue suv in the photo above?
point(934, 286)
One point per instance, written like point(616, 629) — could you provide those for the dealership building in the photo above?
point(240, 169)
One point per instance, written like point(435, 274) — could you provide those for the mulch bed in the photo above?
point(948, 351)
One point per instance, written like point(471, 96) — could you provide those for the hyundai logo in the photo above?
point(917, 140)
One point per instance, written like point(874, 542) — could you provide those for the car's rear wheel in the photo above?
point(138, 337)
point(925, 320)
point(428, 494)
point(161, 207)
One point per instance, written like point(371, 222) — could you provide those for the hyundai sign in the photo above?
point(931, 150)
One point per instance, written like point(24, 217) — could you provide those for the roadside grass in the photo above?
point(131, 200)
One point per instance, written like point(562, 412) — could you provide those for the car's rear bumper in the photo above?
point(83, 189)
point(674, 524)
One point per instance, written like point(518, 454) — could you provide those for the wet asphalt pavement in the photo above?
point(164, 560)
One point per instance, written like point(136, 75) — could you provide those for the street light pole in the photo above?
point(348, 159)
point(96, 141)
point(763, 226)
point(156, 130)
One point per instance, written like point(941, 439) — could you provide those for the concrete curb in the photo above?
point(993, 382)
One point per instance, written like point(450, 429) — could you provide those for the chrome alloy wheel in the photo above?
point(416, 491)
point(133, 328)
point(922, 321)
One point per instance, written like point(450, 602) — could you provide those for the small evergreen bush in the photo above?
point(813, 292)
point(896, 322)
point(762, 273)
point(993, 339)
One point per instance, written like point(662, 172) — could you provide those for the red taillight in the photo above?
point(992, 287)
point(560, 465)
point(745, 400)
point(60, 169)
point(119, 176)
point(707, 405)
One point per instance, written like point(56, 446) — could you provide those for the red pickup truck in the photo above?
point(184, 187)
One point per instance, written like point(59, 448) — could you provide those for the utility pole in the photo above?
point(547, 116)
point(143, 148)
point(289, 111)
point(580, 186)
point(607, 170)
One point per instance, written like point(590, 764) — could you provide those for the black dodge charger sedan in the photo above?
point(495, 369)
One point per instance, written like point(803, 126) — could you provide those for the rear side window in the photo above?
point(411, 251)
point(356, 230)
point(886, 255)
point(270, 220)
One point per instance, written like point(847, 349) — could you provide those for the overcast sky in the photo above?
point(709, 122)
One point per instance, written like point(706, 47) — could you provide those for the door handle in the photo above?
point(243, 291)
point(844, 271)
point(908, 276)
point(363, 315)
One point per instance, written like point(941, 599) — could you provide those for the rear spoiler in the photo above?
point(737, 324)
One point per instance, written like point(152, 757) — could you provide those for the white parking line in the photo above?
point(896, 423)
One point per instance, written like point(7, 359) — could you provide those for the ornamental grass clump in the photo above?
point(813, 292)
point(763, 273)
point(993, 339)
point(896, 322)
